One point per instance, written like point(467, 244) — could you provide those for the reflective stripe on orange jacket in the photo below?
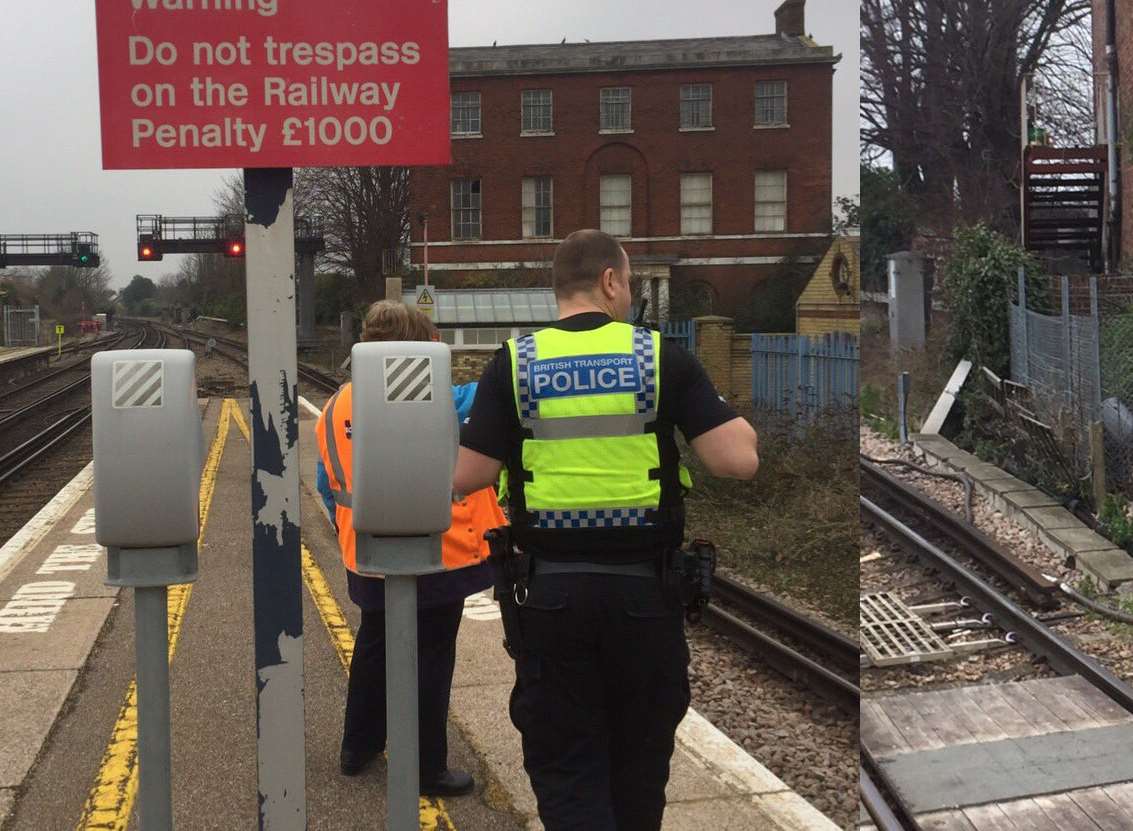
point(463, 544)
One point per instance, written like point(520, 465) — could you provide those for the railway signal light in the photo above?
point(148, 252)
point(82, 255)
point(234, 248)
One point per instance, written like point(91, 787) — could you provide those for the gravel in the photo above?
point(806, 742)
point(1110, 643)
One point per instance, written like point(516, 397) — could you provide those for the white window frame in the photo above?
point(602, 102)
point(530, 228)
point(523, 103)
point(770, 226)
point(770, 125)
point(686, 89)
point(477, 133)
point(605, 223)
point(686, 202)
point(478, 207)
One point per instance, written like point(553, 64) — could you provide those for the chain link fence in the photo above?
point(1072, 346)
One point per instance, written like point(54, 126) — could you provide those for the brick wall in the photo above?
point(468, 364)
point(726, 357)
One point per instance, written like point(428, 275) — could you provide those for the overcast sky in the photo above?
point(50, 171)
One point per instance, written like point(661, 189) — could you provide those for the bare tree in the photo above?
point(939, 94)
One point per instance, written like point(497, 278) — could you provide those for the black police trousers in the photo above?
point(365, 727)
point(601, 685)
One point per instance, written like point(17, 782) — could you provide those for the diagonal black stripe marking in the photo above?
point(399, 369)
point(122, 376)
point(426, 383)
point(410, 379)
point(127, 395)
point(142, 399)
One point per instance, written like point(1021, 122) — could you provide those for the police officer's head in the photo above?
point(591, 268)
point(390, 320)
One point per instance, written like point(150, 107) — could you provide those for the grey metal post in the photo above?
point(36, 324)
point(1096, 331)
point(1026, 379)
point(1067, 346)
point(903, 406)
point(151, 633)
point(403, 784)
point(276, 575)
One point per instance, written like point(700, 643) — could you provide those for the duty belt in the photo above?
point(642, 569)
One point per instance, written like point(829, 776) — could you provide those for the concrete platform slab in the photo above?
point(7, 800)
point(1020, 500)
point(1080, 540)
point(1111, 567)
point(29, 703)
point(1050, 519)
point(66, 643)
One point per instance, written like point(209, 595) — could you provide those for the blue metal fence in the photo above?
point(682, 332)
point(802, 376)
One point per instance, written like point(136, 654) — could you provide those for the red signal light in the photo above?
point(234, 248)
point(148, 252)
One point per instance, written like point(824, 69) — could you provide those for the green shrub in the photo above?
point(977, 279)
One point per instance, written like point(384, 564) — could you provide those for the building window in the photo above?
point(538, 210)
point(771, 200)
point(615, 205)
point(448, 336)
point(466, 113)
point(537, 111)
point(466, 209)
point(486, 337)
point(770, 103)
point(696, 106)
point(616, 106)
point(696, 203)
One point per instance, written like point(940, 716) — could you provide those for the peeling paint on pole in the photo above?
point(277, 576)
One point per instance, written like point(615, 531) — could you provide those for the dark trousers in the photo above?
point(365, 726)
point(601, 685)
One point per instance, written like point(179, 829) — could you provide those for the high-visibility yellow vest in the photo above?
point(591, 456)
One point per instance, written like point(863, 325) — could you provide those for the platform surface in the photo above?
point(1052, 751)
point(67, 661)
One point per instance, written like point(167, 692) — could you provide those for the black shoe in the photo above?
point(449, 783)
point(352, 762)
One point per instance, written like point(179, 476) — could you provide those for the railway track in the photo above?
point(1020, 627)
point(59, 423)
point(733, 602)
point(238, 352)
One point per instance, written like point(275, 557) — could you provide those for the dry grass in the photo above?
point(794, 528)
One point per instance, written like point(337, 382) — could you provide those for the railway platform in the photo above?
point(1048, 753)
point(67, 663)
point(18, 361)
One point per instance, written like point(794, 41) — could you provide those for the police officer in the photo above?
point(582, 417)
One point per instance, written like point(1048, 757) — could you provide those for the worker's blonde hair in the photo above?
point(391, 320)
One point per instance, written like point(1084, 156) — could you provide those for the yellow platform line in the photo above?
point(111, 798)
point(432, 812)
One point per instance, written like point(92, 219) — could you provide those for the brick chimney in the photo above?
point(790, 18)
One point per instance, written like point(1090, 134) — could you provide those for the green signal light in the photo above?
point(84, 258)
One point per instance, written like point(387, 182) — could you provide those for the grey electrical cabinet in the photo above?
point(908, 293)
point(148, 453)
point(404, 437)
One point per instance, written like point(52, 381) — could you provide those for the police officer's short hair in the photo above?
point(582, 258)
point(391, 320)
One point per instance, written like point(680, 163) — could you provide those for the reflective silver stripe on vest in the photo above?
point(647, 361)
point(588, 427)
point(524, 355)
point(341, 497)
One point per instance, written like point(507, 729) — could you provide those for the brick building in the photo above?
point(710, 157)
point(830, 301)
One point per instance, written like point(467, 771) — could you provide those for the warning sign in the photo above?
point(425, 301)
point(273, 83)
point(409, 379)
point(58, 328)
point(138, 383)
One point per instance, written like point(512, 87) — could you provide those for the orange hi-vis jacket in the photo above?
point(463, 544)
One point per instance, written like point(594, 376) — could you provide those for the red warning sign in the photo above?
point(273, 83)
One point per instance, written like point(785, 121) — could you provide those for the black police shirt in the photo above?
point(688, 402)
